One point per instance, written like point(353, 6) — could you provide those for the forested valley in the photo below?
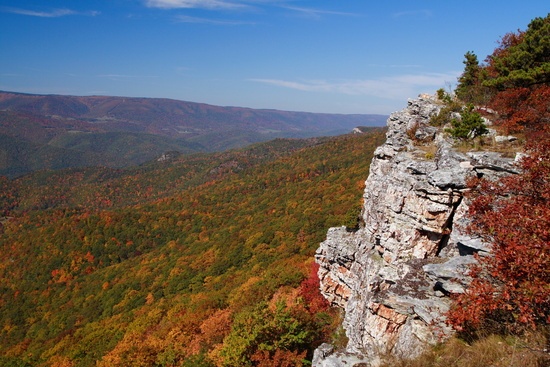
point(200, 260)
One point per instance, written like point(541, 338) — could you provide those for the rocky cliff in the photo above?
point(393, 276)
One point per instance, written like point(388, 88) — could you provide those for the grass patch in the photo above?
point(429, 151)
point(530, 350)
point(487, 143)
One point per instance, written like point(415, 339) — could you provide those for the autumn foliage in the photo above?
point(522, 107)
point(309, 290)
point(511, 288)
point(198, 262)
point(513, 214)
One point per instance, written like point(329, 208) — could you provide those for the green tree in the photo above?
point(469, 126)
point(266, 330)
point(522, 60)
point(518, 71)
point(468, 81)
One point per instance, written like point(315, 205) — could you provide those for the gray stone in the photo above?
point(425, 133)
point(343, 360)
point(505, 139)
point(449, 178)
point(394, 275)
point(486, 121)
point(454, 268)
point(493, 161)
point(468, 244)
point(325, 356)
point(491, 132)
point(322, 352)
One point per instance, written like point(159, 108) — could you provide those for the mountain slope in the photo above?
point(175, 262)
point(67, 121)
point(178, 118)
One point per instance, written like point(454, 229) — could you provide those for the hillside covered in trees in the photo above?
point(205, 260)
point(56, 131)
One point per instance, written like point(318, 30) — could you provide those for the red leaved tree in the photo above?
point(513, 214)
point(309, 290)
point(522, 107)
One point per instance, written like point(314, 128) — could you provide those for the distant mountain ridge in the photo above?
point(179, 118)
point(121, 131)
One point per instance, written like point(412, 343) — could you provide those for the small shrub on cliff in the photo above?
point(411, 131)
point(444, 115)
point(443, 96)
point(469, 126)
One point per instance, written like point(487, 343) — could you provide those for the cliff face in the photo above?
point(394, 275)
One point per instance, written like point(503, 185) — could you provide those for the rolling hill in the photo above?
point(72, 131)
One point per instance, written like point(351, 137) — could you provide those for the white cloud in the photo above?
point(203, 4)
point(239, 4)
point(55, 13)
point(395, 87)
point(316, 13)
point(308, 86)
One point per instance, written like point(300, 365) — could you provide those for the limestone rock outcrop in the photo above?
point(393, 276)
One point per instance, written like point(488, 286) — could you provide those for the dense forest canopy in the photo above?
point(201, 260)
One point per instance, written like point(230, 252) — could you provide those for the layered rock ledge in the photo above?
point(394, 275)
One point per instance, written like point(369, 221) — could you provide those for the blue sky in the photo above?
point(335, 56)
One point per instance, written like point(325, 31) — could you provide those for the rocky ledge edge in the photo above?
point(393, 277)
